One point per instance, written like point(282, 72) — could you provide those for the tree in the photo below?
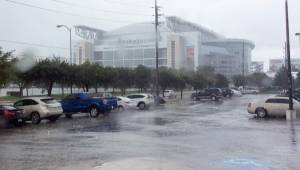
point(208, 74)
point(5, 67)
point(167, 79)
point(22, 71)
point(71, 76)
point(197, 80)
point(125, 79)
point(22, 79)
point(239, 80)
point(47, 72)
point(221, 81)
point(181, 81)
point(87, 76)
point(99, 77)
point(259, 80)
point(63, 80)
point(142, 77)
point(109, 77)
point(281, 78)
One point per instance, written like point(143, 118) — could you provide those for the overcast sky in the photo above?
point(261, 21)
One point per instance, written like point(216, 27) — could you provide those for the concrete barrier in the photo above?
point(291, 115)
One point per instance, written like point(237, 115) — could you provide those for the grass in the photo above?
point(9, 98)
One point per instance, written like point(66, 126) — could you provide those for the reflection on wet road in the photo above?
point(189, 135)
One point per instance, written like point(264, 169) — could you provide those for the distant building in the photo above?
point(276, 64)
point(83, 52)
point(182, 44)
point(257, 67)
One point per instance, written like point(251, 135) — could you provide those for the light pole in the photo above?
point(156, 54)
point(70, 31)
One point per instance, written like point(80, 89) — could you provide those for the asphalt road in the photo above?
point(183, 136)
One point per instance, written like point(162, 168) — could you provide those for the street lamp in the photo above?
point(70, 31)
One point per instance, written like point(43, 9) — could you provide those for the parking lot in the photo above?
point(185, 135)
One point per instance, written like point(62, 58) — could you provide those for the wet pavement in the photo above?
point(183, 136)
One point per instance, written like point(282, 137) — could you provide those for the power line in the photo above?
point(127, 4)
point(32, 44)
point(97, 9)
point(61, 12)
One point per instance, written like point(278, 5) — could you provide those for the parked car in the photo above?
point(124, 103)
point(141, 100)
point(214, 94)
point(236, 93)
point(10, 115)
point(273, 106)
point(170, 94)
point(249, 90)
point(39, 108)
point(86, 103)
point(226, 92)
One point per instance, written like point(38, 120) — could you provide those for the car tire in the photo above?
point(214, 98)
point(35, 118)
point(69, 116)
point(142, 106)
point(261, 113)
point(94, 112)
point(194, 98)
point(121, 108)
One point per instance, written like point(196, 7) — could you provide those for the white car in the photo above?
point(170, 94)
point(273, 106)
point(249, 90)
point(38, 108)
point(236, 93)
point(124, 103)
point(141, 100)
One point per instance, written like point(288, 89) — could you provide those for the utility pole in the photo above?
point(156, 54)
point(288, 52)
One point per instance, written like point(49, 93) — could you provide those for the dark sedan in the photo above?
point(10, 115)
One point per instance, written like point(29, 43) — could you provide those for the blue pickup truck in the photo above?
point(86, 103)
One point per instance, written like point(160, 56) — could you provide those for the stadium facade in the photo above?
point(182, 44)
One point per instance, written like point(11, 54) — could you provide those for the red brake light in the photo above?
point(8, 113)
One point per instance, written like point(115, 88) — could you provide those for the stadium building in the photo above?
point(182, 44)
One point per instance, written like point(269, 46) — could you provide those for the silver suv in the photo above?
point(38, 108)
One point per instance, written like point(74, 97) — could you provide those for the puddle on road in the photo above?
point(104, 127)
point(142, 164)
point(246, 164)
point(162, 121)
